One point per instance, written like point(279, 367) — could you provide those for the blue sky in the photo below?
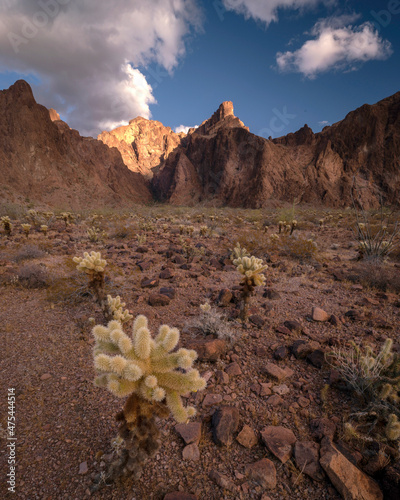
point(283, 63)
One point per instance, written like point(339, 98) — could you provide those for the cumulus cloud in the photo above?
point(324, 122)
point(90, 55)
point(335, 46)
point(267, 10)
point(183, 128)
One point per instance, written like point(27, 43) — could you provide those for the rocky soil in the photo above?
point(269, 425)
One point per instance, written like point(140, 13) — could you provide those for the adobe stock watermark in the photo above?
point(48, 10)
point(277, 123)
point(11, 441)
point(383, 18)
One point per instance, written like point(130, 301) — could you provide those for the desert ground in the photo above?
point(276, 369)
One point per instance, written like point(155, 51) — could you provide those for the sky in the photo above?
point(282, 63)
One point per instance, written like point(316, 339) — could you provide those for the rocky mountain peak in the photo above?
point(223, 117)
point(54, 116)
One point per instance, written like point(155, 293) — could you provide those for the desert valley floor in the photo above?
point(274, 370)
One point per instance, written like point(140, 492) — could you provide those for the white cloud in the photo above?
point(335, 46)
point(89, 55)
point(267, 10)
point(183, 128)
point(323, 122)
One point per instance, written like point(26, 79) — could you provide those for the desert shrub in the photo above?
point(121, 231)
point(376, 274)
point(28, 252)
point(33, 276)
point(13, 210)
point(211, 322)
point(256, 242)
point(376, 378)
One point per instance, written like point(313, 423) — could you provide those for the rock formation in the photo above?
point(234, 167)
point(46, 162)
point(143, 144)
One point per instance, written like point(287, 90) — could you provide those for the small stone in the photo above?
point(225, 423)
point(279, 440)
point(301, 349)
point(257, 320)
point(169, 292)
point(274, 400)
point(277, 372)
point(321, 427)
point(190, 432)
point(165, 274)
point(211, 400)
point(233, 369)
point(293, 326)
point(83, 468)
point(318, 314)
point(191, 452)
point(263, 473)
point(247, 437)
point(306, 454)
point(224, 297)
point(149, 283)
point(208, 349)
point(271, 294)
point(281, 390)
point(316, 358)
point(281, 352)
point(45, 376)
point(282, 329)
point(158, 299)
point(303, 402)
point(222, 481)
point(265, 389)
point(222, 377)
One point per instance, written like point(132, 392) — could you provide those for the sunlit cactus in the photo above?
point(146, 366)
point(44, 228)
point(116, 308)
point(5, 220)
point(203, 230)
point(252, 270)
point(26, 228)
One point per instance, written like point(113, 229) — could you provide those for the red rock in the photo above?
point(306, 454)
point(158, 299)
point(350, 481)
point(190, 432)
point(263, 473)
point(277, 372)
point(279, 440)
point(318, 314)
point(225, 423)
point(233, 369)
point(191, 452)
point(222, 481)
point(208, 349)
point(211, 400)
point(247, 437)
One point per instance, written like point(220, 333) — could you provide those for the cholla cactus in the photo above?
point(95, 234)
point(392, 429)
point(26, 228)
point(44, 229)
point(281, 225)
point(203, 230)
point(90, 263)
point(252, 270)
point(238, 252)
point(190, 230)
point(93, 265)
point(293, 226)
point(146, 366)
point(7, 224)
point(117, 311)
point(181, 228)
point(67, 217)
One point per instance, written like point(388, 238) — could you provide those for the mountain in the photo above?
point(222, 162)
point(44, 161)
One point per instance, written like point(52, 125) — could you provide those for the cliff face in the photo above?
point(222, 162)
point(47, 162)
point(144, 144)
